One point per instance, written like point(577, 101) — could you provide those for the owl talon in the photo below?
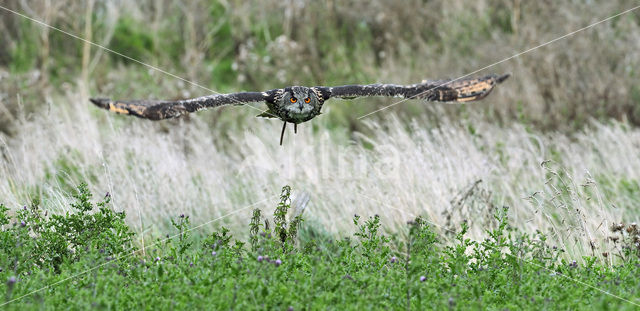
point(284, 126)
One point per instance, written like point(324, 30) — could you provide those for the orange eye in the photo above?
point(293, 99)
point(307, 100)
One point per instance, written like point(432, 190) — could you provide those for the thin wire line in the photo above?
point(125, 56)
point(133, 251)
point(401, 101)
point(514, 256)
point(502, 61)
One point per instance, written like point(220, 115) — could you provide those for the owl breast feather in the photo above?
point(293, 117)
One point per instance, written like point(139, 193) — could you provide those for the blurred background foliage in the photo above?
point(229, 45)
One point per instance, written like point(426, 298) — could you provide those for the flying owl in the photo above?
point(297, 104)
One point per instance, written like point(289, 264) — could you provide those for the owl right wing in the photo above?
point(460, 90)
point(164, 109)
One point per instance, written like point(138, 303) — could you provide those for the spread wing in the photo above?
point(163, 109)
point(461, 90)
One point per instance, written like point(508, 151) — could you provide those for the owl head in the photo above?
point(300, 103)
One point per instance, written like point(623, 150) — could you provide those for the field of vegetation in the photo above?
point(525, 200)
point(286, 265)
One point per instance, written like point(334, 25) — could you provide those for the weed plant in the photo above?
point(86, 259)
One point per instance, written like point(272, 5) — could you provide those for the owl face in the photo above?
point(300, 103)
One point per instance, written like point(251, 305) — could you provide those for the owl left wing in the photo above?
point(461, 90)
point(164, 109)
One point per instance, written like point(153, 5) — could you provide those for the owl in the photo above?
point(298, 104)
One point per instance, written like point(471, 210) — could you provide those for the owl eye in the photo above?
point(293, 99)
point(307, 100)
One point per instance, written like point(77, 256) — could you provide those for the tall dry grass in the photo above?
point(570, 187)
point(450, 163)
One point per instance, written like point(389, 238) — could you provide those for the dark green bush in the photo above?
point(36, 239)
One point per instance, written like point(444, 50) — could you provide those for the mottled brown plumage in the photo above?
point(297, 104)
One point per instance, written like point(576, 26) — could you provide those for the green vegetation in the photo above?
point(86, 259)
point(234, 45)
point(558, 143)
point(129, 37)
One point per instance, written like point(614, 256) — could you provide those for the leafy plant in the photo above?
point(506, 270)
point(37, 239)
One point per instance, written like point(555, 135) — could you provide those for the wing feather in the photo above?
point(162, 109)
point(461, 90)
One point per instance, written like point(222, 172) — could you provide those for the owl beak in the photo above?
point(300, 106)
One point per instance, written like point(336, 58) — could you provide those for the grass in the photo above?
point(289, 264)
point(414, 167)
point(557, 144)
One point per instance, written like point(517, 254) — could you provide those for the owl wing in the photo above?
point(461, 90)
point(164, 109)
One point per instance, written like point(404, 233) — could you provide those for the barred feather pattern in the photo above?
point(438, 90)
point(162, 109)
point(297, 104)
